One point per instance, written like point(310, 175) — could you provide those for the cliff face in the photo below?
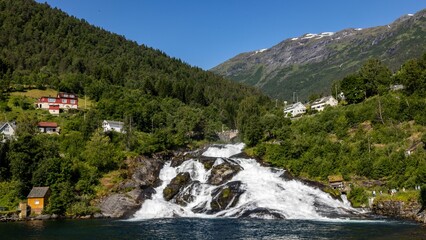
point(310, 63)
point(400, 209)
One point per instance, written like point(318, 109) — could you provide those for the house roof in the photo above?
point(293, 106)
point(47, 124)
point(4, 124)
point(114, 124)
point(67, 95)
point(322, 100)
point(335, 178)
point(38, 192)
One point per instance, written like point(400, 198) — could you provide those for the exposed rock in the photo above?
point(43, 217)
point(98, 215)
point(207, 161)
point(222, 173)
point(186, 196)
point(400, 209)
point(287, 176)
point(119, 206)
point(175, 185)
point(147, 171)
point(226, 196)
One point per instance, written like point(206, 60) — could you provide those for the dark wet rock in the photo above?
point(287, 176)
point(207, 161)
point(119, 206)
point(222, 173)
point(175, 185)
point(147, 170)
point(226, 196)
point(147, 193)
point(186, 196)
point(262, 213)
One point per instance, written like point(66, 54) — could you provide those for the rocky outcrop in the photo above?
point(226, 197)
point(176, 185)
point(146, 171)
point(127, 197)
point(223, 172)
point(119, 206)
point(400, 210)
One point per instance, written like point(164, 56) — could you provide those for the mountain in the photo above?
point(310, 63)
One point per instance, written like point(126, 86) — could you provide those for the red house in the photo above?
point(63, 100)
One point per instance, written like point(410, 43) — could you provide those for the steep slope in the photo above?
point(310, 63)
point(46, 47)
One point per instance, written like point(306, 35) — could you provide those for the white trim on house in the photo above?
point(8, 129)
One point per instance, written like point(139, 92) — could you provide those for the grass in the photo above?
point(109, 181)
point(407, 196)
point(36, 93)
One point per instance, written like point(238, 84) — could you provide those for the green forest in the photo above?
point(166, 104)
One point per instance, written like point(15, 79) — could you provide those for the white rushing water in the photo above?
point(264, 191)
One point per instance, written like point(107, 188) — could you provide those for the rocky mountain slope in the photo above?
point(310, 63)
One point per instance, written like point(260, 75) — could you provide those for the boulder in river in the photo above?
point(226, 196)
point(223, 172)
point(175, 185)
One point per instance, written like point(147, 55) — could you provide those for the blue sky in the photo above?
point(205, 33)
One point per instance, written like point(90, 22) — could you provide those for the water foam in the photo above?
point(264, 191)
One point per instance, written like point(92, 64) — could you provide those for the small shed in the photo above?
point(336, 181)
point(37, 199)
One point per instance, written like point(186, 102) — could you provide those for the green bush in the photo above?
point(358, 197)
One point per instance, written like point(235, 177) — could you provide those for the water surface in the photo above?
point(193, 228)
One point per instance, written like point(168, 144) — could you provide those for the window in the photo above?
point(64, 101)
point(36, 202)
point(52, 100)
point(72, 101)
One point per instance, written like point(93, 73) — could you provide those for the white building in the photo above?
point(113, 126)
point(295, 109)
point(321, 103)
point(7, 129)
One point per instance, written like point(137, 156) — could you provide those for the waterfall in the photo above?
point(252, 190)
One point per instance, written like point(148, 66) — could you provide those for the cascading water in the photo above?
point(252, 191)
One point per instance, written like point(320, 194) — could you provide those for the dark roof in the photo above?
point(38, 192)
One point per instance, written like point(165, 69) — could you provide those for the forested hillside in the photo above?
point(164, 104)
point(375, 134)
